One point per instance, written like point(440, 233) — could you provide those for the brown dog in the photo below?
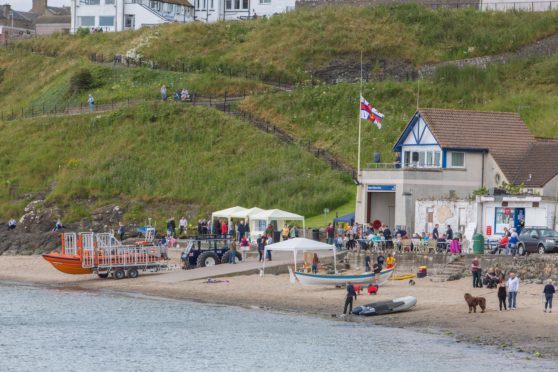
point(473, 302)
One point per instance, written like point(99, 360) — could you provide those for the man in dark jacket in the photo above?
point(435, 233)
point(449, 233)
point(241, 230)
point(351, 293)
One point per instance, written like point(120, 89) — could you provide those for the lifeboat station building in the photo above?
point(453, 168)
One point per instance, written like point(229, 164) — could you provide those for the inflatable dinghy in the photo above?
point(386, 307)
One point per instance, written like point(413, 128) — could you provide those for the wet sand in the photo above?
point(440, 309)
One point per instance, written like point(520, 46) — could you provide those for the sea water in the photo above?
point(72, 330)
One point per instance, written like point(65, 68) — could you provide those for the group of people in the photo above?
point(179, 95)
point(507, 289)
point(354, 235)
point(508, 242)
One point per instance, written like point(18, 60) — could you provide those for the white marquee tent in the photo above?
point(274, 215)
point(246, 214)
point(300, 245)
point(227, 213)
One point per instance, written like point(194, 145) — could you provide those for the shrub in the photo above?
point(80, 81)
point(81, 32)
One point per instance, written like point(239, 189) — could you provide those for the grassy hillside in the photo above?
point(34, 80)
point(291, 44)
point(327, 114)
point(159, 159)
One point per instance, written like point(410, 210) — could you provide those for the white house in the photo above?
point(120, 15)
point(218, 10)
point(447, 155)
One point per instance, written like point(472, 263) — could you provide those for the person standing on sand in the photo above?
point(513, 287)
point(315, 262)
point(330, 231)
point(476, 271)
point(350, 295)
point(502, 293)
point(548, 291)
point(390, 261)
point(367, 261)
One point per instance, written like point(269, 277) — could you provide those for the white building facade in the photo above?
point(121, 15)
point(447, 159)
point(219, 10)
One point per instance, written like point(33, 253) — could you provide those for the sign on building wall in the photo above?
point(381, 187)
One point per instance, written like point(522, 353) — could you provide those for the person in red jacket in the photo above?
point(224, 228)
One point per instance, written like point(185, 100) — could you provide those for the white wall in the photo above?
point(445, 212)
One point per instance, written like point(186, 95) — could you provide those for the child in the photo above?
point(390, 261)
point(548, 294)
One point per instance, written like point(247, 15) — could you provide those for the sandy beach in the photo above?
point(440, 309)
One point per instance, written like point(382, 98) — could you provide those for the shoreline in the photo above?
point(438, 311)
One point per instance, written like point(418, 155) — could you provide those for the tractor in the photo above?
point(208, 250)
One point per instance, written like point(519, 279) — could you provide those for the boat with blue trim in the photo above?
point(316, 279)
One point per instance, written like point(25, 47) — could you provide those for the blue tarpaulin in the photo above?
point(348, 218)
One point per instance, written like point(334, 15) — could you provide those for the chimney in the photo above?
point(7, 9)
point(39, 7)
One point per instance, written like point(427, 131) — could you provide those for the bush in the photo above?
point(81, 32)
point(80, 81)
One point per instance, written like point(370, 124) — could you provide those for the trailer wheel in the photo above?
point(208, 259)
point(133, 273)
point(103, 275)
point(119, 274)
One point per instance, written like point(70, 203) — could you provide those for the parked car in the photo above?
point(537, 240)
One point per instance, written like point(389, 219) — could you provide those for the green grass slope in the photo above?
point(291, 44)
point(159, 159)
point(29, 81)
point(327, 115)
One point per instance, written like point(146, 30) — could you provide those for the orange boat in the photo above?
point(89, 253)
point(68, 264)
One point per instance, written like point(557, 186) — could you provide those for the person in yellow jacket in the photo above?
point(285, 232)
point(390, 261)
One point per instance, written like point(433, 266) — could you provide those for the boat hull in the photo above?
point(386, 307)
point(66, 263)
point(314, 279)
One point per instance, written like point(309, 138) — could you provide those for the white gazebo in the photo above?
point(273, 215)
point(300, 245)
point(227, 213)
point(247, 213)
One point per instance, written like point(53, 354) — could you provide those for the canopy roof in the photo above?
point(246, 213)
point(299, 244)
point(349, 218)
point(276, 214)
point(227, 213)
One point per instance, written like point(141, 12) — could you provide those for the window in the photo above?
point(169, 8)
point(421, 159)
point(237, 4)
point(129, 21)
point(91, 2)
point(212, 7)
point(109, 2)
point(106, 21)
point(244, 4)
point(457, 159)
point(88, 21)
point(265, 1)
point(228, 4)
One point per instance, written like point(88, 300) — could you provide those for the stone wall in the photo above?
point(534, 268)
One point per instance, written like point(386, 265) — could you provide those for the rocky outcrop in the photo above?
point(34, 232)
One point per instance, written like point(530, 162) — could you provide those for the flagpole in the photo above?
point(359, 120)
